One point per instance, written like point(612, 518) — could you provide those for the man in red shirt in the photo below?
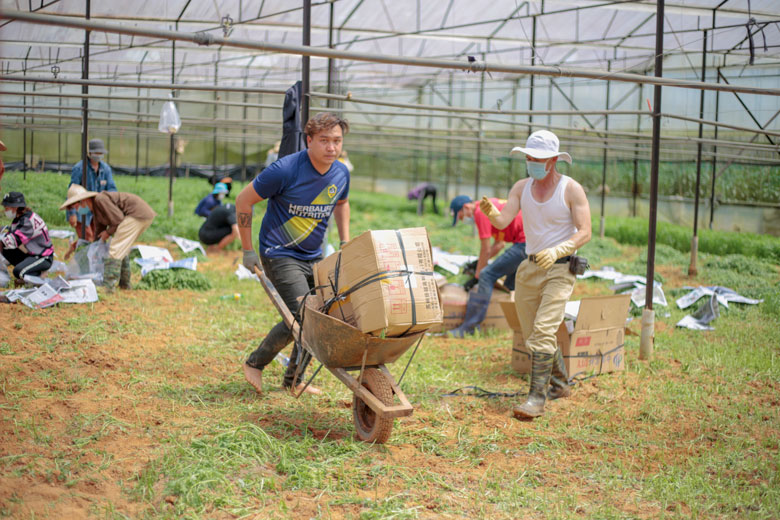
point(505, 265)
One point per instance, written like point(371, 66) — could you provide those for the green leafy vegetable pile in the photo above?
point(174, 279)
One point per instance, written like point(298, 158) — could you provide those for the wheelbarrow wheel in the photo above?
point(369, 426)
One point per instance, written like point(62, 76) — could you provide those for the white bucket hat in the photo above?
point(542, 144)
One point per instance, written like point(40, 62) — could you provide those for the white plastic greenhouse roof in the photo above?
point(615, 35)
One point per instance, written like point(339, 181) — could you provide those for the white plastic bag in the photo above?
point(170, 122)
point(5, 278)
point(87, 262)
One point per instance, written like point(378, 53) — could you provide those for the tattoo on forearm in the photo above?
point(245, 220)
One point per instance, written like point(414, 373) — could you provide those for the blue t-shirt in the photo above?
point(300, 201)
point(103, 180)
point(206, 204)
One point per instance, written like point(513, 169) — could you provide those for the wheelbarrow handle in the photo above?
point(277, 300)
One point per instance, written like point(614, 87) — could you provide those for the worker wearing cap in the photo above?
point(123, 217)
point(100, 177)
point(557, 222)
point(212, 200)
point(488, 274)
point(26, 244)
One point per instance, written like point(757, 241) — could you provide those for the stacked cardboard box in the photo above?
point(592, 345)
point(494, 317)
point(453, 305)
point(383, 281)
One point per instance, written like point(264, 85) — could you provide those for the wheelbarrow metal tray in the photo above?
point(337, 344)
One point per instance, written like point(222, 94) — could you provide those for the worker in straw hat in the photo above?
point(556, 218)
point(123, 217)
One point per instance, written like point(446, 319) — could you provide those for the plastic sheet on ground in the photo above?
point(724, 295)
point(151, 264)
point(57, 290)
point(5, 278)
point(243, 273)
point(450, 262)
point(62, 233)
point(186, 244)
point(702, 318)
point(58, 267)
point(152, 252)
point(633, 283)
point(605, 273)
point(639, 294)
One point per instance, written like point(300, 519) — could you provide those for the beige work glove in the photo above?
point(488, 208)
point(547, 257)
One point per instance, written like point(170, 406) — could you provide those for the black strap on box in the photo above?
point(385, 275)
point(598, 354)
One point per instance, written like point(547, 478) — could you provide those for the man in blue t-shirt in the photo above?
point(302, 190)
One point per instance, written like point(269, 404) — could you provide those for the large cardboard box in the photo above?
point(453, 299)
point(495, 317)
point(592, 345)
point(387, 281)
point(521, 356)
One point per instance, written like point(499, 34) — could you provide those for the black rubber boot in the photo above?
point(111, 270)
point(559, 379)
point(476, 308)
point(124, 274)
point(541, 367)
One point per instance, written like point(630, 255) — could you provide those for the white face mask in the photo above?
point(220, 196)
point(10, 213)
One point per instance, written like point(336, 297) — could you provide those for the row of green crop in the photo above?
point(628, 230)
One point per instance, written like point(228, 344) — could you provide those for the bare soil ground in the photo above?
point(90, 375)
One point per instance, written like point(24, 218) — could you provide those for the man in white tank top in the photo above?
point(556, 217)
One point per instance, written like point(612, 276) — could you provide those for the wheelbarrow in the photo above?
point(341, 348)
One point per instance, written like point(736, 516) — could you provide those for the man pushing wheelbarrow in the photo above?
point(302, 190)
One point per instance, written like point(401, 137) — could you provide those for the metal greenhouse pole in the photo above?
point(85, 117)
point(479, 134)
point(692, 271)
point(714, 152)
point(635, 185)
point(305, 62)
point(604, 160)
point(648, 315)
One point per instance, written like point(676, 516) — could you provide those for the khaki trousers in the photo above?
point(126, 233)
point(540, 299)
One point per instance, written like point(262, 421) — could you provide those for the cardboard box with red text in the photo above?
point(387, 281)
point(594, 346)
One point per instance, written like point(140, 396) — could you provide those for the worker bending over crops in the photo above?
point(123, 217)
point(556, 215)
point(302, 189)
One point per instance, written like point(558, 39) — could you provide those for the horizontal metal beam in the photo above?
point(133, 84)
point(475, 66)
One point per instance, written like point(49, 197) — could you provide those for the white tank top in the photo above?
point(548, 223)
